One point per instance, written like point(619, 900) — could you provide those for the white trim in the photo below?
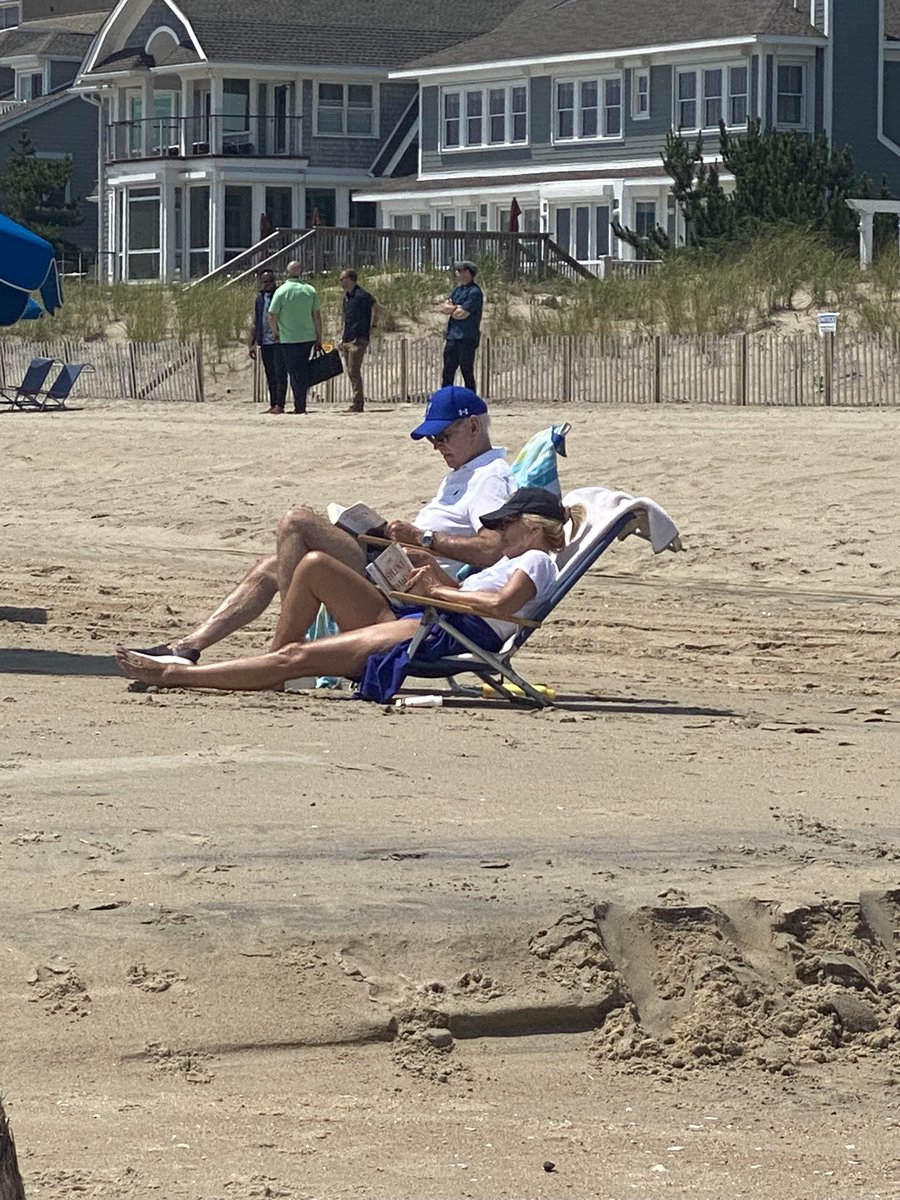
point(548, 188)
point(405, 143)
point(158, 30)
point(548, 169)
point(753, 39)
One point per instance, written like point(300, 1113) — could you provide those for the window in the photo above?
point(402, 221)
point(644, 217)
point(161, 128)
point(737, 88)
point(640, 106)
point(706, 96)
point(451, 120)
point(588, 108)
point(29, 85)
point(345, 110)
point(143, 233)
point(493, 116)
point(474, 105)
point(789, 101)
point(9, 16)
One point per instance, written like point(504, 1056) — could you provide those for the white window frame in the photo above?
point(638, 113)
point(804, 89)
point(700, 98)
point(579, 85)
point(345, 108)
point(482, 96)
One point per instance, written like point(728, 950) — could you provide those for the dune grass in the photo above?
point(741, 288)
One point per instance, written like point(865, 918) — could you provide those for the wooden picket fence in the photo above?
point(846, 369)
point(743, 369)
point(119, 370)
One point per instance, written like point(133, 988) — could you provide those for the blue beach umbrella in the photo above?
point(26, 265)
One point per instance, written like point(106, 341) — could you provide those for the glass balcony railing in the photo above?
point(186, 137)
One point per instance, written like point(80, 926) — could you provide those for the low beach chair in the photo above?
point(25, 395)
point(611, 516)
point(57, 394)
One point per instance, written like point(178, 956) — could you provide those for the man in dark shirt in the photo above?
point(360, 317)
point(463, 307)
point(263, 340)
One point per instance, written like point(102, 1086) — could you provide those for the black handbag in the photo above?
point(324, 364)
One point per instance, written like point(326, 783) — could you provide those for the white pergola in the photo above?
point(866, 211)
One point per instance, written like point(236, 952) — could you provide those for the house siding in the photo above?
point(353, 153)
point(855, 31)
point(819, 77)
point(62, 73)
point(157, 14)
point(768, 98)
point(68, 128)
point(642, 138)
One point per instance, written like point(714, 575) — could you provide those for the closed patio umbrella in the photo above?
point(26, 265)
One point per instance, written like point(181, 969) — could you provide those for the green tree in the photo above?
point(780, 177)
point(33, 191)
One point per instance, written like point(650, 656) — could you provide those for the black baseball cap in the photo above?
point(538, 502)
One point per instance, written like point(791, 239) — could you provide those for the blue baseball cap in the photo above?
point(448, 404)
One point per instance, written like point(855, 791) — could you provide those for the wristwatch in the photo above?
point(427, 538)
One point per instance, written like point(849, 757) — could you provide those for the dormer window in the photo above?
point(29, 85)
point(9, 16)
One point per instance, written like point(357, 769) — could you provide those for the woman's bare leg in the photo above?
point(344, 654)
point(353, 601)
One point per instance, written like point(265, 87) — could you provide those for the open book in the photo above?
point(391, 570)
point(357, 519)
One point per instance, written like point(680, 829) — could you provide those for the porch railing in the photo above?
point(187, 137)
point(322, 249)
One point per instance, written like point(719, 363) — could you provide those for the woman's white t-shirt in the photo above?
point(537, 565)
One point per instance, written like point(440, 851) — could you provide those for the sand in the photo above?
point(642, 944)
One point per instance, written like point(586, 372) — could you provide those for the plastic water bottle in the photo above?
point(418, 702)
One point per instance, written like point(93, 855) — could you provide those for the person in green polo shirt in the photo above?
point(295, 317)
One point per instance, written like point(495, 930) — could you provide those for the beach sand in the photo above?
point(641, 944)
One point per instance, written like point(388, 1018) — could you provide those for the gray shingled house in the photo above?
point(41, 50)
point(218, 119)
point(565, 104)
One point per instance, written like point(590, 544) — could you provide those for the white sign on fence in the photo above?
point(827, 323)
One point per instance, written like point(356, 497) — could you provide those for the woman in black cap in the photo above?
point(375, 634)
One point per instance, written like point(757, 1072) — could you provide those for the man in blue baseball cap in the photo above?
point(478, 481)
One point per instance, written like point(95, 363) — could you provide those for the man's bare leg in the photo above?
point(249, 600)
point(301, 530)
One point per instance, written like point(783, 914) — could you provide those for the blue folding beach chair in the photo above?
point(611, 516)
point(59, 391)
point(25, 395)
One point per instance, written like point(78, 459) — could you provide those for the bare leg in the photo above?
point(320, 579)
point(300, 531)
point(344, 654)
point(250, 599)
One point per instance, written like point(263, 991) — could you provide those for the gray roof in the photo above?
point(28, 107)
point(65, 36)
point(376, 33)
point(539, 29)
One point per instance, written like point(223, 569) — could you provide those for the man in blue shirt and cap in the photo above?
point(464, 308)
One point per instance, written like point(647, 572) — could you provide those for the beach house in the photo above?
point(558, 115)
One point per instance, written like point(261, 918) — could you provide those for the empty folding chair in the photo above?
point(59, 391)
point(27, 393)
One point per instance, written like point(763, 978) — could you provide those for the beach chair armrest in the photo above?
point(369, 539)
point(427, 602)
